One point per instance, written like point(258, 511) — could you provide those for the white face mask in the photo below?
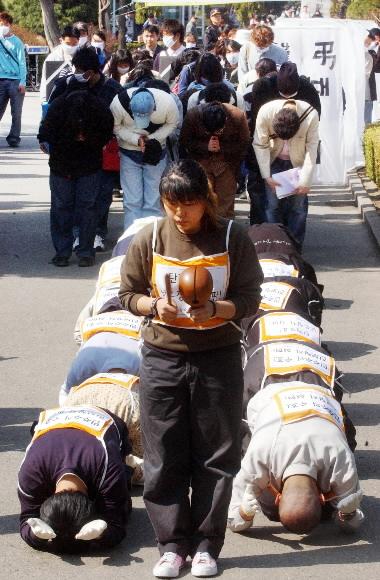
point(168, 40)
point(4, 30)
point(83, 40)
point(122, 69)
point(373, 45)
point(97, 44)
point(190, 45)
point(232, 57)
point(68, 49)
point(80, 78)
point(262, 50)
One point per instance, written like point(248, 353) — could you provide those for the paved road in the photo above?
point(39, 305)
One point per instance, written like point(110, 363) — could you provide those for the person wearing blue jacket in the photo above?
point(12, 76)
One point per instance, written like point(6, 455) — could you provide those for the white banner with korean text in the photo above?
point(330, 52)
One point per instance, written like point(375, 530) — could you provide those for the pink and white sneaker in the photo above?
point(169, 565)
point(203, 565)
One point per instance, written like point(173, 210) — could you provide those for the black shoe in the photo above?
point(13, 143)
point(60, 261)
point(86, 261)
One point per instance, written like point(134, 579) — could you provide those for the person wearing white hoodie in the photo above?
point(144, 118)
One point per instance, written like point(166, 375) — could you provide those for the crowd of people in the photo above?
point(234, 396)
point(160, 395)
point(119, 122)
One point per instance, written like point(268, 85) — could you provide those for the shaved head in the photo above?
point(300, 506)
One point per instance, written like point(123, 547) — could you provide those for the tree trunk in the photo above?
point(50, 23)
point(103, 16)
point(343, 9)
point(121, 28)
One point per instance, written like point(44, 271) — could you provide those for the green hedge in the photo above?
point(371, 142)
point(363, 9)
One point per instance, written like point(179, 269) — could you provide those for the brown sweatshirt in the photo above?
point(233, 141)
point(243, 289)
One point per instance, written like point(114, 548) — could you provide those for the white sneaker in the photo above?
point(168, 566)
point(203, 565)
point(99, 245)
point(76, 243)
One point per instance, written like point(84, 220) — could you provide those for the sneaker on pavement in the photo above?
point(86, 261)
point(99, 245)
point(76, 243)
point(169, 565)
point(203, 565)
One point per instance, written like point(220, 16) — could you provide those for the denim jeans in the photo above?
point(368, 110)
point(140, 182)
point(290, 211)
point(9, 92)
point(68, 197)
point(108, 181)
point(256, 192)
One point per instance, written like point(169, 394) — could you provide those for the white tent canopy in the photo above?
point(192, 2)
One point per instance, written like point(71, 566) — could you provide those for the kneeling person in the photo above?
point(72, 484)
point(297, 460)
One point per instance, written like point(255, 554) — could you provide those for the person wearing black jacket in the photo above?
point(76, 128)
point(286, 84)
point(88, 76)
point(214, 30)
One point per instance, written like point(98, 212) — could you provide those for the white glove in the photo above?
point(249, 504)
point(350, 503)
point(237, 524)
point(91, 531)
point(133, 461)
point(349, 523)
point(41, 529)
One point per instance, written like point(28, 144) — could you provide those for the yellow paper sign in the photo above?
point(90, 419)
point(282, 358)
point(119, 321)
point(296, 403)
point(287, 326)
point(272, 268)
point(275, 295)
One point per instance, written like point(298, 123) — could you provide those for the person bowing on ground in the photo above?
point(72, 483)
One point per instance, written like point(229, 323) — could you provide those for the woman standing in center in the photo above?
point(191, 378)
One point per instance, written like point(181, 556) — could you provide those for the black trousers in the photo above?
point(191, 408)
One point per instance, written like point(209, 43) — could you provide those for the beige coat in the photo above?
point(302, 147)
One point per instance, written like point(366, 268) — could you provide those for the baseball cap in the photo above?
point(373, 32)
point(142, 106)
point(215, 11)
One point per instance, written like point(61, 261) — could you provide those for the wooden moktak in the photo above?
point(195, 286)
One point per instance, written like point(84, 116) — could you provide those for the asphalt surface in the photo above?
point(39, 305)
